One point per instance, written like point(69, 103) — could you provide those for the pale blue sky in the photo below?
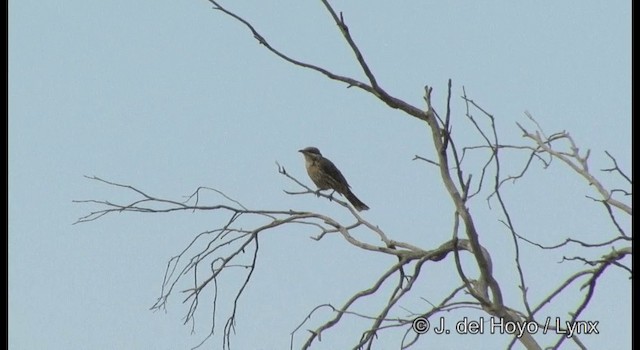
point(171, 95)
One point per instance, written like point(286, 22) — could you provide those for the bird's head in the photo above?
point(311, 152)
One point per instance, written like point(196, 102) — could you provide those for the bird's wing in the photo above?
point(335, 174)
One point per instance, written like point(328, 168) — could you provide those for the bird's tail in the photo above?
point(357, 203)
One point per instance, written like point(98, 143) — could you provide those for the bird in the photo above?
point(327, 176)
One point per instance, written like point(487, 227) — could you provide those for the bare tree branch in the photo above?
point(576, 162)
point(232, 247)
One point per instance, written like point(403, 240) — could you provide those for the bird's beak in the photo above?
point(301, 150)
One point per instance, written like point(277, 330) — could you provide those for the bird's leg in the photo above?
point(318, 191)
